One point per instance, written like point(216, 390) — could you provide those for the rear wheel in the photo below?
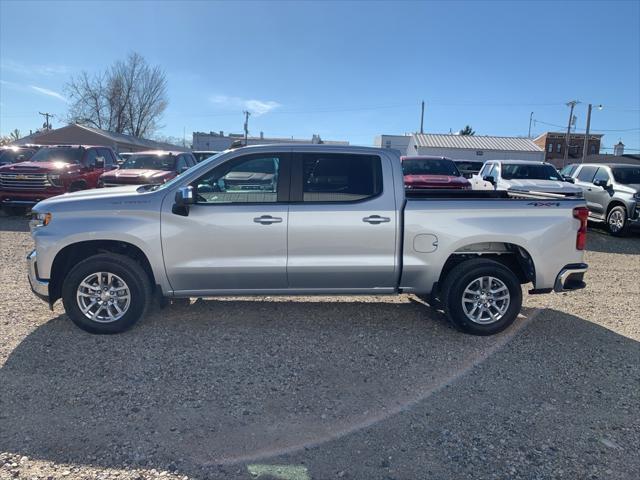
point(106, 293)
point(617, 221)
point(481, 297)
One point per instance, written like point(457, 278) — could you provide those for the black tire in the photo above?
point(126, 268)
point(614, 229)
point(461, 276)
point(78, 186)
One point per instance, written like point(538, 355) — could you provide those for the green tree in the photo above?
point(467, 130)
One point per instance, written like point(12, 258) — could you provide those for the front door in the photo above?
point(598, 196)
point(342, 229)
point(235, 236)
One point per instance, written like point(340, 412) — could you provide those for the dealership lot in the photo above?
point(355, 387)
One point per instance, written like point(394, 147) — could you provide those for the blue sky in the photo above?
point(344, 70)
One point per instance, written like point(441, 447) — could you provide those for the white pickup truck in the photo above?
point(524, 176)
point(299, 220)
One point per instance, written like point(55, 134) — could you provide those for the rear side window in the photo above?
point(586, 174)
point(340, 177)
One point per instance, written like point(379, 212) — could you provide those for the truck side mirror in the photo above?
point(569, 179)
point(601, 183)
point(184, 198)
point(99, 162)
point(490, 179)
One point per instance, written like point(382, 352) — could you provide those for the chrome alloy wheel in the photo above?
point(485, 300)
point(616, 221)
point(103, 297)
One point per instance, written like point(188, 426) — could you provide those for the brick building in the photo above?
point(553, 144)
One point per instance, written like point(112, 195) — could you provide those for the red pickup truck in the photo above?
point(426, 172)
point(53, 171)
point(154, 166)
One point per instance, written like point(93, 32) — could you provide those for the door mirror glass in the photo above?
point(490, 179)
point(567, 178)
point(601, 183)
point(99, 162)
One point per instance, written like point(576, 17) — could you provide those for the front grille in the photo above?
point(24, 181)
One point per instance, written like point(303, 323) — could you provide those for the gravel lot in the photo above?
point(301, 388)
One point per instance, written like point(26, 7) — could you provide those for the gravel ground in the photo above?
point(301, 388)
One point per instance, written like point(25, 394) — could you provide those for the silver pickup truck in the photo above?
point(300, 220)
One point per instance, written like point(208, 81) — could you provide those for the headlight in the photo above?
point(636, 196)
point(54, 179)
point(39, 220)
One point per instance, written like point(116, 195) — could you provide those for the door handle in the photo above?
point(267, 220)
point(376, 219)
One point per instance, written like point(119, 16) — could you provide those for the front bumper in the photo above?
point(27, 199)
point(571, 277)
point(39, 287)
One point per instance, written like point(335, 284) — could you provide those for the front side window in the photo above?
point(601, 174)
point(340, 177)
point(586, 174)
point(524, 171)
point(90, 159)
point(242, 180)
point(108, 158)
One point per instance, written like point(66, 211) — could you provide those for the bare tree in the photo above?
point(129, 97)
point(15, 135)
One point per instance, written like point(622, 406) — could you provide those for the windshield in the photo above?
point(66, 155)
point(429, 166)
point(180, 178)
point(10, 155)
point(150, 161)
point(627, 175)
point(523, 171)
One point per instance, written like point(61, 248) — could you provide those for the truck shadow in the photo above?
point(13, 223)
point(599, 240)
point(191, 387)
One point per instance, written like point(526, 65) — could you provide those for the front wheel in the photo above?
point(617, 221)
point(481, 297)
point(106, 293)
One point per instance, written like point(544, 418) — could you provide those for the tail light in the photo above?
point(582, 214)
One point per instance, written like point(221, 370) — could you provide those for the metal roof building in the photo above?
point(474, 147)
point(75, 134)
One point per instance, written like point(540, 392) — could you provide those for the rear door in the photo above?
point(342, 223)
point(234, 238)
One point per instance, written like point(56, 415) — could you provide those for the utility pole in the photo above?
point(47, 125)
point(422, 119)
point(246, 126)
point(586, 134)
point(565, 157)
point(530, 120)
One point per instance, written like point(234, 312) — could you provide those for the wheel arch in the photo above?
point(73, 253)
point(616, 203)
point(513, 256)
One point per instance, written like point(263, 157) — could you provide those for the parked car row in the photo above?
point(612, 191)
point(54, 170)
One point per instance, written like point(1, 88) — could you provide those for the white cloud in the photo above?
point(33, 70)
point(256, 107)
point(46, 91)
